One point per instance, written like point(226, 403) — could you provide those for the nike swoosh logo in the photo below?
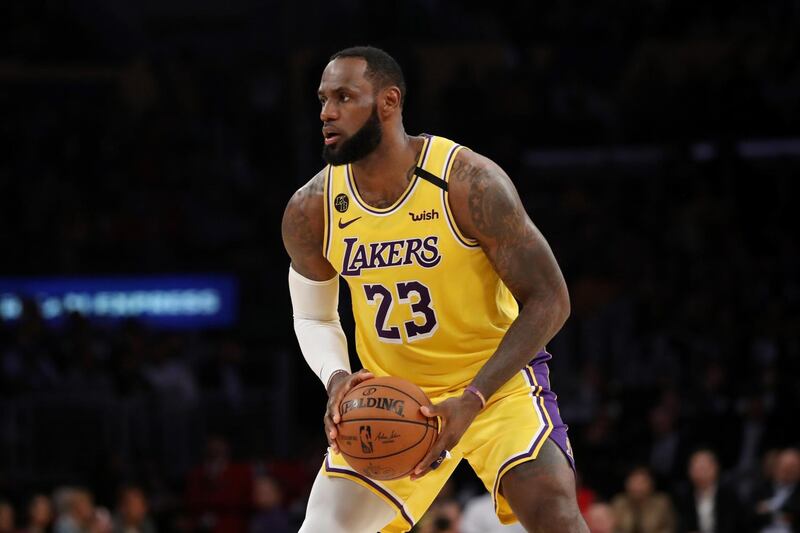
point(342, 226)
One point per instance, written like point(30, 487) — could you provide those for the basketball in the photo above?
point(382, 433)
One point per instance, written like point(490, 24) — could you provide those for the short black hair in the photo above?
point(382, 69)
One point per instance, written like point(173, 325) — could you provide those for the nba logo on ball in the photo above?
point(365, 434)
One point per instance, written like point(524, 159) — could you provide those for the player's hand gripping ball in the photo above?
point(382, 434)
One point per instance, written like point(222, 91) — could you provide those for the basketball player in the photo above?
point(437, 250)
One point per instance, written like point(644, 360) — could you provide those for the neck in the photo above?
point(390, 163)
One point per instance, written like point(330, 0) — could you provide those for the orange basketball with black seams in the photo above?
point(382, 433)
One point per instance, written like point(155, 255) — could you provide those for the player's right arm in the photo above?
point(314, 289)
point(303, 229)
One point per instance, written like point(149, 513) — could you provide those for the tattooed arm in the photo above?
point(487, 208)
point(303, 228)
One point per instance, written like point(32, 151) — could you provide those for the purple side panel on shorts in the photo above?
point(559, 434)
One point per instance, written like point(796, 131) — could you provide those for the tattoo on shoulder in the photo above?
point(498, 218)
point(490, 208)
point(317, 183)
point(297, 225)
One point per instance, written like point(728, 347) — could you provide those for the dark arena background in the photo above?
point(149, 373)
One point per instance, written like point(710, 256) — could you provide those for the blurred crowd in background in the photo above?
point(156, 137)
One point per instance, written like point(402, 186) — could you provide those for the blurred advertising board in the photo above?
point(165, 302)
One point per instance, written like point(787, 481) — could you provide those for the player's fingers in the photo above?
point(331, 433)
point(336, 400)
point(435, 456)
point(352, 381)
point(361, 375)
point(438, 411)
point(431, 410)
point(330, 424)
point(441, 409)
point(431, 461)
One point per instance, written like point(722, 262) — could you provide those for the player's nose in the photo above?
point(328, 112)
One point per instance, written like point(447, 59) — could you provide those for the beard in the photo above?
point(359, 145)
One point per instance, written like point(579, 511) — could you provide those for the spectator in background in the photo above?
point(6, 517)
point(87, 355)
point(62, 501)
point(600, 518)
point(80, 514)
point(127, 361)
point(27, 363)
point(223, 372)
point(443, 516)
point(74, 510)
point(479, 517)
point(132, 515)
point(295, 474)
point(640, 509)
point(40, 515)
point(757, 433)
point(706, 506)
point(169, 375)
point(269, 516)
point(600, 440)
point(667, 441)
point(219, 491)
point(777, 502)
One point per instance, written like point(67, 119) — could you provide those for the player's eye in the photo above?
point(344, 97)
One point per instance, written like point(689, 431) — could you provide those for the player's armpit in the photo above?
point(303, 230)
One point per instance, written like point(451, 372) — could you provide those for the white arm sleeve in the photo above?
point(317, 326)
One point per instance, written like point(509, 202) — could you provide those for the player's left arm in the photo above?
point(487, 208)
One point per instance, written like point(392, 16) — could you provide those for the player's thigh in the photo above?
point(541, 493)
point(512, 430)
point(340, 505)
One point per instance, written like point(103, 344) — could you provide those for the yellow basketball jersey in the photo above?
point(428, 305)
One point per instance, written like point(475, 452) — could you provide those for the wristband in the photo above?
point(335, 373)
point(474, 390)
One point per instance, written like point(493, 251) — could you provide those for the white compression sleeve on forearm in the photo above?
point(316, 323)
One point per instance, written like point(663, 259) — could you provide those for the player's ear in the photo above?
point(390, 99)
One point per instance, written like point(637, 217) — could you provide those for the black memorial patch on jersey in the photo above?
point(341, 202)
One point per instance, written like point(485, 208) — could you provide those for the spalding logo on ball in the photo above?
point(382, 433)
